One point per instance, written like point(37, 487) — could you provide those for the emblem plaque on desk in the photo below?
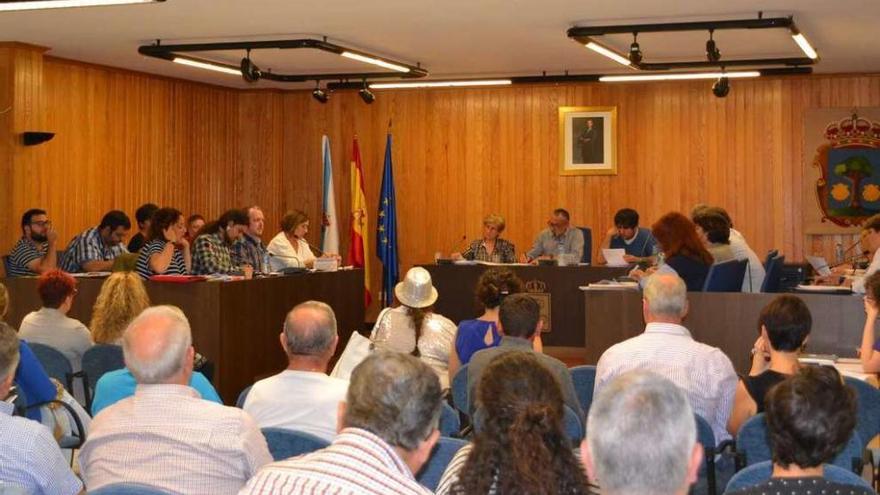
point(537, 290)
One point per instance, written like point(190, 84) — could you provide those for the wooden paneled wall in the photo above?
point(123, 138)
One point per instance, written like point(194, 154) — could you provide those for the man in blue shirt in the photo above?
point(116, 385)
point(639, 244)
point(30, 458)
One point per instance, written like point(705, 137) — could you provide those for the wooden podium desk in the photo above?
point(555, 288)
point(234, 324)
point(728, 321)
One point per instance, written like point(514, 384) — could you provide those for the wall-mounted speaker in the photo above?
point(32, 138)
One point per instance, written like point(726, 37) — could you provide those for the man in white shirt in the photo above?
point(667, 348)
point(30, 460)
point(302, 397)
point(165, 435)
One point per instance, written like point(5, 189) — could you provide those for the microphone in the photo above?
point(458, 242)
point(315, 249)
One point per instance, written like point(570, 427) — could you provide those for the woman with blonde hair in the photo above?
point(491, 247)
point(122, 297)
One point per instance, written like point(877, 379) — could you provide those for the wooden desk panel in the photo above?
point(728, 321)
point(456, 285)
point(235, 324)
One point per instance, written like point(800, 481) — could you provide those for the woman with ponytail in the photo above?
point(520, 446)
point(414, 328)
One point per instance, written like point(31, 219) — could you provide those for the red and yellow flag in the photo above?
point(357, 252)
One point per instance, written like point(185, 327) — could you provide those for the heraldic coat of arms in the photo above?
point(848, 187)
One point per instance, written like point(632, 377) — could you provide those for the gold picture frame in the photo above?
point(587, 140)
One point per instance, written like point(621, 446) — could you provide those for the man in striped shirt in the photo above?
point(705, 373)
point(389, 427)
point(35, 252)
point(95, 249)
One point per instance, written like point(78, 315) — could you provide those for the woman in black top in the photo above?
point(784, 326)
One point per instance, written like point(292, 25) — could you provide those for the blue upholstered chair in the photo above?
point(239, 403)
point(444, 451)
point(588, 245)
point(98, 360)
point(773, 274)
point(760, 472)
point(584, 379)
point(726, 277)
point(128, 489)
point(573, 426)
point(752, 445)
point(55, 363)
point(450, 424)
point(284, 443)
point(459, 388)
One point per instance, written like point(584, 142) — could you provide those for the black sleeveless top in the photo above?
point(759, 385)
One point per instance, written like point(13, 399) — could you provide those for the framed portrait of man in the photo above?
point(588, 140)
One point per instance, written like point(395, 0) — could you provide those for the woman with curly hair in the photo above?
point(520, 446)
point(475, 335)
point(122, 297)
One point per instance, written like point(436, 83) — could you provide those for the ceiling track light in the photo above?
point(721, 87)
point(635, 51)
point(249, 70)
point(713, 54)
point(13, 6)
point(320, 95)
point(366, 94)
point(587, 35)
point(394, 69)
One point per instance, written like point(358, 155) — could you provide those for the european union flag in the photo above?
point(386, 230)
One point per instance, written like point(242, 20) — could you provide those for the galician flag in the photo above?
point(330, 223)
point(358, 232)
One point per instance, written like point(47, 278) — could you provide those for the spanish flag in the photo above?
point(357, 252)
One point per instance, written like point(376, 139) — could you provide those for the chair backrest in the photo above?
point(459, 388)
point(761, 472)
point(588, 245)
point(128, 489)
point(868, 424)
point(584, 379)
point(284, 443)
point(5, 265)
point(773, 277)
point(239, 403)
point(726, 277)
point(430, 474)
point(450, 424)
point(55, 363)
point(770, 255)
point(705, 436)
point(100, 359)
point(574, 429)
point(753, 443)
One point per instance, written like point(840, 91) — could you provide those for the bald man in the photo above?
point(165, 435)
point(666, 347)
point(302, 397)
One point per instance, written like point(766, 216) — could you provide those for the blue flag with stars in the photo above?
point(386, 230)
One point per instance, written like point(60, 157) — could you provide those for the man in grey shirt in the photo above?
point(559, 233)
point(519, 322)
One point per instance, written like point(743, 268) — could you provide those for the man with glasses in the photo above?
point(35, 252)
point(559, 238)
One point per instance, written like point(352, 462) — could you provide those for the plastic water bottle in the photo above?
point(838, 252)
point(560, 254)
point(661, 259)
point(266, 268)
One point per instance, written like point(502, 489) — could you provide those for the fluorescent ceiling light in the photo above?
point(680, 76)
point(620, 59)
point(802, 42)
point(440, 84)
point(57, 4)
point(206, 65)
point(375, 61)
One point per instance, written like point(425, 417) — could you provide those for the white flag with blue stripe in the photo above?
point(330, 222)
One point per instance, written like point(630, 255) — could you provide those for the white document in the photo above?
point(819, 264)
point(614, 257)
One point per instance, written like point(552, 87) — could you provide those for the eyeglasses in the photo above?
point(43, 223)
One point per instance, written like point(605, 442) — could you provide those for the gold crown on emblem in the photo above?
point(536, 286)
point(853, 130)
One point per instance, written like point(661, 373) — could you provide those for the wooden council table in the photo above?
point(554, 287)
point(234, 324)
point(728, 321)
